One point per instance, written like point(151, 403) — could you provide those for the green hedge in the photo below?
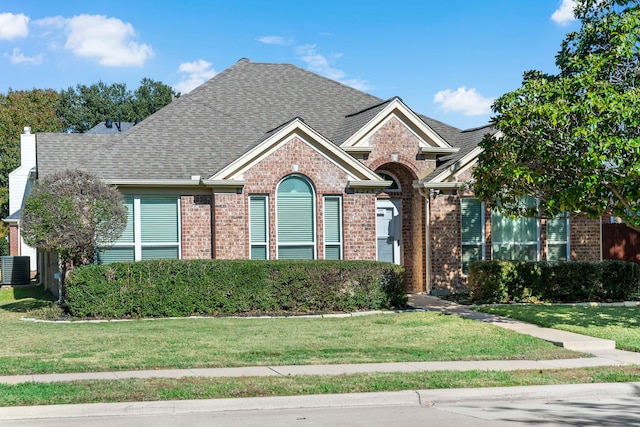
point(516, 281)
point(161, 288)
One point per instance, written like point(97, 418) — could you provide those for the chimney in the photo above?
point(108, 123)
point(27, 148)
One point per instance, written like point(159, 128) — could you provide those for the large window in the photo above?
point(152, 231)
point(472, 231)
point(259, 227)
point(332, 227)
point(295, 219)
point(558, 238)
point(515, 238)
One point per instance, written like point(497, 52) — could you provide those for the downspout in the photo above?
point(427, 237)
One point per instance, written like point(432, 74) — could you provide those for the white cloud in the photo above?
point(321, 64)
point(108, 40)
point(197, 72)
point(564, 14)
point(274, 40)
point(13, 26)
point(17, 57)
point(463, 100)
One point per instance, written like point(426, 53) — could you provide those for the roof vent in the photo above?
point(108, 123)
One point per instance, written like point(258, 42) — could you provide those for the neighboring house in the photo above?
point(269, 161)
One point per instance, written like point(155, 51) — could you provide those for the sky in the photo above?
point(445, 59)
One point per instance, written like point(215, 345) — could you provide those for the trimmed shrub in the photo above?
point(489, 281)
point(515, 281)
point(161, 288)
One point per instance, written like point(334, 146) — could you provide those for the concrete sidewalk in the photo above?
point(604, 353)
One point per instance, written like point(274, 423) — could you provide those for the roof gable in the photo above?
point(359, 175)
point(429, 140)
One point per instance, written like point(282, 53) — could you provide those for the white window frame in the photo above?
point(264, 244)
point(526, 243)
point(137, 243)
point(482, 244)
point(566, 242)
point(340, 225)
point(313, 244)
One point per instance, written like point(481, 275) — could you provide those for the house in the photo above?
point(269, 161)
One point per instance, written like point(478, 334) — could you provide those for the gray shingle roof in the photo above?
point(205, 130)
point(466, 140)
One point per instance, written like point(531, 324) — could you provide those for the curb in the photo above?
point(399, 398)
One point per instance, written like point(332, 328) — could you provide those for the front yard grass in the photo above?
point(136, 390)
point(29, 347)
point(621, 324)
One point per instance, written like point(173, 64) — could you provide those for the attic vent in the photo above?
point(15, 270)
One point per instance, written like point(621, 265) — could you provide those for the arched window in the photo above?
point(295, 216)
point(395, 184)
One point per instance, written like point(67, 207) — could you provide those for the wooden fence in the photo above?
point(620, 242)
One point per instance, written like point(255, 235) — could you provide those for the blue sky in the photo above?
point(447, 60)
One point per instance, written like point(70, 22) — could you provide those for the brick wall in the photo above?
point(395, 138)
point(14, 244)
point(231, 232)
point(232, 210)
point(196, 213)
point(445, 241)
point(585, 238)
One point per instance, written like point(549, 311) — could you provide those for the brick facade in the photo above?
point(446, 246)
point(216, 226)
point(14, 241)
point(585, 238)
point(231, 210)
point(197, 219)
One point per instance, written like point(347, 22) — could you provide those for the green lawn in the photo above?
point(135, 390)
point(621, 324)
point(29, 347)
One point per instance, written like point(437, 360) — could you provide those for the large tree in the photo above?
point(572, 139)
point(83, 107)
point(35, 108)
point(72, 213)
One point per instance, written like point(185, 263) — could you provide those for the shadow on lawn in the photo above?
point(27, 298)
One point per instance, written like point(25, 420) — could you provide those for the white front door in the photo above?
point(388, 230)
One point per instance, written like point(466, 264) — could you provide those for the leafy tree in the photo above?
point(151, 96)
point(83, 107)
point(35, 108)
point(572, 139)
point(72, 213)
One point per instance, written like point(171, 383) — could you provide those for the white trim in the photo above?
point(296, 129)
point(566, 242)
point(483, 242)
point(314, 243)
point(397, 243)
point(397, 109)
point(137, 243)
point(525, 243)
point(340, 225)
point(266, 219)
point(465, 160)
point(154, 182)
point(395, 181)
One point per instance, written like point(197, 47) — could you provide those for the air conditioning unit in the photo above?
point(16, 270)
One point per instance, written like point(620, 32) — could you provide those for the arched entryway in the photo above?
point(400, 224)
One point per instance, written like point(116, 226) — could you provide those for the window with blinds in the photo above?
point(295, 219)
point(472, 233)
point(332, 227)
point(258, 227)
point(515, 238)
point(152, 231)
point(558, 238)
